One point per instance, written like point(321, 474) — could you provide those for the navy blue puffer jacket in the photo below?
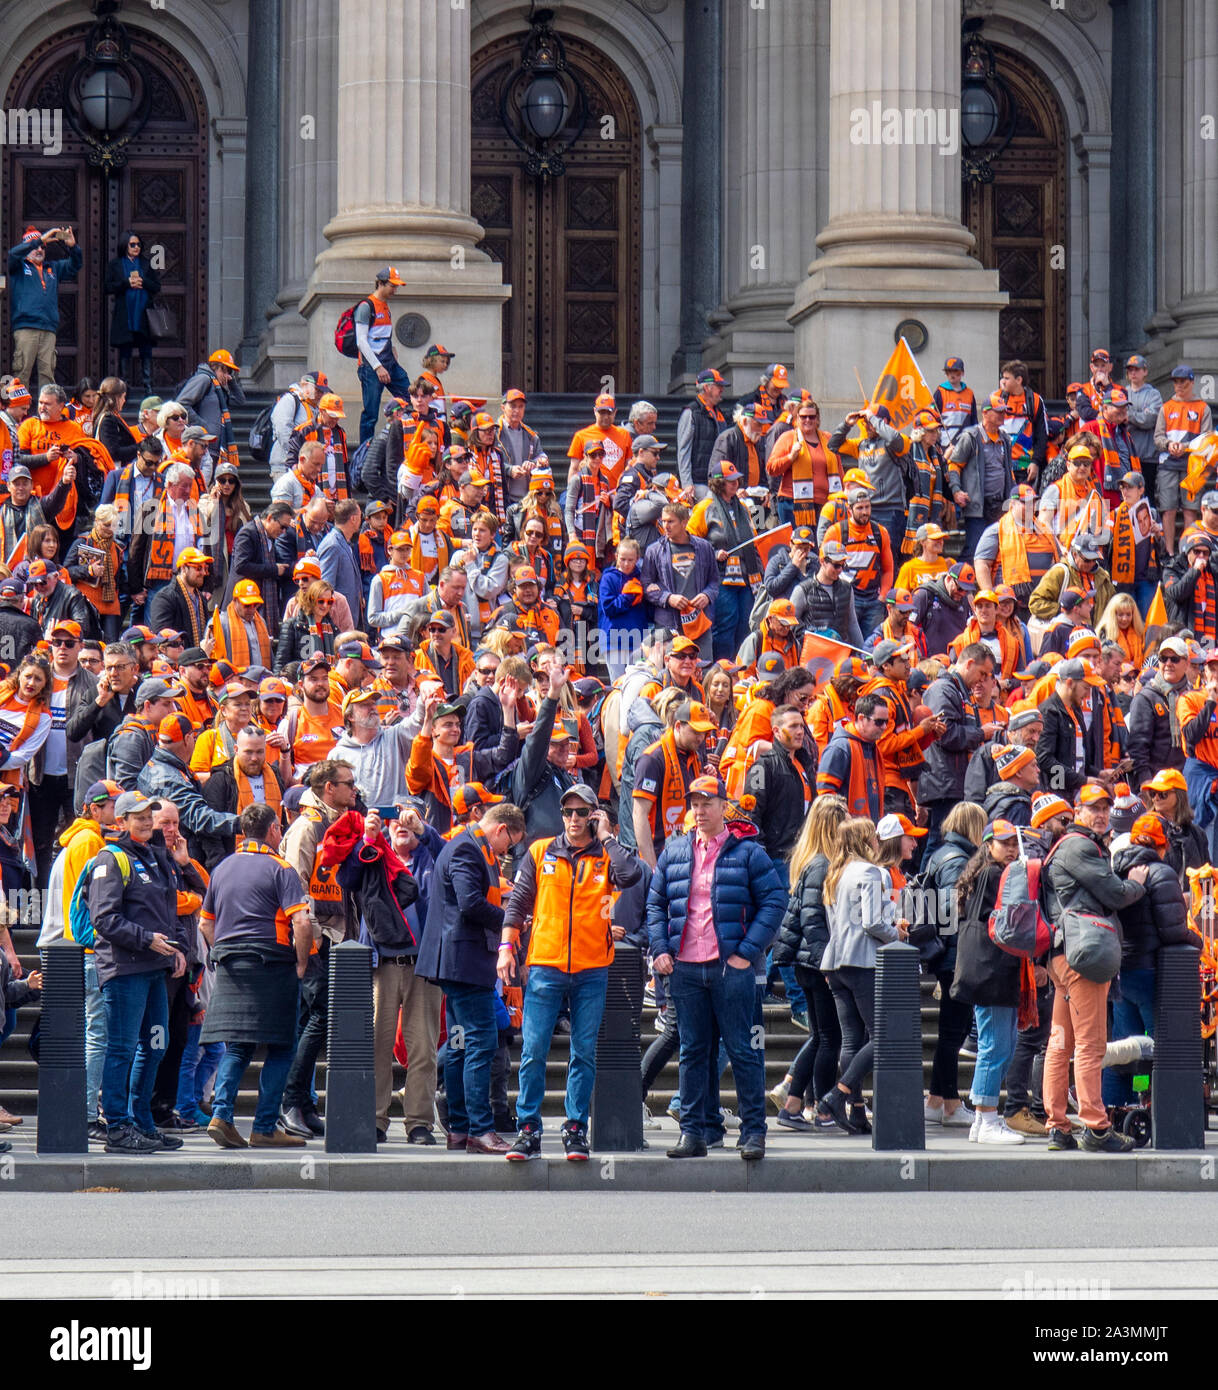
point(747, 897)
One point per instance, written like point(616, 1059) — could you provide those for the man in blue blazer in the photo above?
point(338, 556)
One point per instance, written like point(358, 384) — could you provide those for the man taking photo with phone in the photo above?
point(566, 885)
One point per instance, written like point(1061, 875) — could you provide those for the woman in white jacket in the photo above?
point(861, 912)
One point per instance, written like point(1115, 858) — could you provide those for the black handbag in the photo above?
point(162, 322)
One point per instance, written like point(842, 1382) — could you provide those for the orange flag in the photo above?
point(1156, 615)
point(821, 654)
point(902, 387)
point(766, 542)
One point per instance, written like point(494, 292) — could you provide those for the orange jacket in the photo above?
point(571, 907)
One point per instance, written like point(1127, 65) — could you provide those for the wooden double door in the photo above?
point(161, 193)
point(570, 245)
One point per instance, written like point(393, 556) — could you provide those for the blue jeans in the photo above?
point(472, 1041)
point(237, 1056)
point(894, 523)
point(733, 604)
point(973, 527)
point(548, 989)
point(137, 1027)
point(1132, 1013)
point(997, 1034)
point(199, 1065)
point(786, 510)
point(95, 1037)
point(398, 385)
point(869, 612)
point(707, 994)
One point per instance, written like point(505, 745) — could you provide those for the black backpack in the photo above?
point(261, 435)
point(90, 768)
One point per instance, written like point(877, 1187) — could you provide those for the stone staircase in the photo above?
point(19, 1072)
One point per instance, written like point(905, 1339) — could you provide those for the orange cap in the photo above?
point(191, 556)
point(1148, 830)
point(605, 402)
point(246, 591)
point(223, 358)
point(333, 404)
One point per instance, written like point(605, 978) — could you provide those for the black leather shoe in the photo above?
point(688, 1147)
point(420, 1134)
point(293, 1121)
point(314, 1121)
point(382, 1136)
point(752, 1147)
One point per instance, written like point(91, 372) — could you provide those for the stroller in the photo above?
point(1133, 1057)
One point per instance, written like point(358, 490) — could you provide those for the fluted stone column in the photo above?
point(308, 182)
point(1188, 226)
point(774, 153)
point(1133, 174)
point(403, 190)
point(894, 246)
point(261, 172)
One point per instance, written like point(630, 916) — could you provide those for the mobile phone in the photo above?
point(387, 812)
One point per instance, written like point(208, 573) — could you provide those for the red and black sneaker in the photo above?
point(527, 1145)
point(575, 1142)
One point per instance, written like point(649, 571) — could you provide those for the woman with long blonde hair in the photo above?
point(801, 943)
point(862, 917)
point(1122, 624)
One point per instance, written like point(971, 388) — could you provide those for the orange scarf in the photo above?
point(270, 788)
point(231, 641)
point(33, 713)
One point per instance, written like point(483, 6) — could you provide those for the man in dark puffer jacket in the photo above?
point(941, 606)
point(825, 601)
point(1158, 919)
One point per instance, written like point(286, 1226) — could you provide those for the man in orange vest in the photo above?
point(853, 766)
point(1182, 417)
point(566, 884)
point(870, 551)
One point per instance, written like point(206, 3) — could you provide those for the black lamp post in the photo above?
point(540, 99)
point(987, 107)
point(107, 96)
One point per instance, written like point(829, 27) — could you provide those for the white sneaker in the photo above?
point(975, 1130)
point(932, 1114)
point(961, 1116)
point(730, 1121)
point(778, 1094)
point(649, 1120)
point(994, 1131)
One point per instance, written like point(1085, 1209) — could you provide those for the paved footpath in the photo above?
point(825, 1161)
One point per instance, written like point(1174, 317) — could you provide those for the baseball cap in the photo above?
point(853, 666)
point(1101, 355)
point(1010, 760)
point(722, 468)
point(709, 377)
point(12, 588)
point(1000, 830)
point(696, 715)
point(191, 556)
point(803, 535)
point(360, 651)
point(1116, 396)
point(1182, 372)
point(174, 728)
point(581, 791)
point(1069, 599)
point(891, 826)
point(884, 651)
point(1135, 479)
point(233, 690)
point(397, 538)
point(835, 552)
point(272, 689)
point(131, 803)
point(439, 350)
point(770, 664)
point(1173, 646)
point(358, 697)
point(997, 401)
point(390, 273)
point(781, 608)
point(964, 575)
point(19, 471)
point(332, 404)
point(170, 637)
point(707, 785)
point(605, 402)
point(483, 421)
point(246, 591)
point(374, 508)
point(776, 374)
point(563, 729)
point(1071, 670)
point(593, 448)
point(224, 358)
point(954, 364)
point(153, 688)
point(195, 433)
point(291, 797)
point(1091, 792)
point(1136, 360)
point(1167, 779)
point(472, 794)
point(102, 791)
point(470, 478)
point(427, 504)
point(193, 656)
point(312, 663)
point(1087, 546)
point(1046, 806)
point(526, 574)
point(1020, 719)
point(682, 646)
point(646, 441)
point(515, 394)
point(587, 687)
point(985, 596)
point(1148, 830)
point(40, 568)
point(65, 625)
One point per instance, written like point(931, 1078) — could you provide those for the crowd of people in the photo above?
point(746, 717)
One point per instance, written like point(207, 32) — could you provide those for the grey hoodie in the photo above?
point(380, 766)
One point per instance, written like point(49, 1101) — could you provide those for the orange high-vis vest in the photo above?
point(571, 910)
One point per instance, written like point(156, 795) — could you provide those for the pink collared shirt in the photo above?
point(698, 940)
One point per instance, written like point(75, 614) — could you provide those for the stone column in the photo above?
point(701, 182)
point(894, 246)
point(261, 173)
point(403, 190)
point(774, 151)
point(308, 178)
point(1133, 175)
point(1189, 216)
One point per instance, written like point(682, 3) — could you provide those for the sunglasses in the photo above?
point(880, 723)
point(1173, 659)
point(177, 417)
point(325, 603)
point(482, 670)
point(64, 642)
point(575, 812)
point(439, 627)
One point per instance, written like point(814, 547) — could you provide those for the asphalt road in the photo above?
point(915, 1245)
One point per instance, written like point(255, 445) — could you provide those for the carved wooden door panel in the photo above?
point(570, 246)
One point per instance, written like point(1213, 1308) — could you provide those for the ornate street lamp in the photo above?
point(108, 97)
point(987, 107)
point(543, 106)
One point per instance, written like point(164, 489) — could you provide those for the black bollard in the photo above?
point(898, 1121)
point(617, 1094)
point(63, 1126)
point(1177, 1098)
point(350, 1071)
